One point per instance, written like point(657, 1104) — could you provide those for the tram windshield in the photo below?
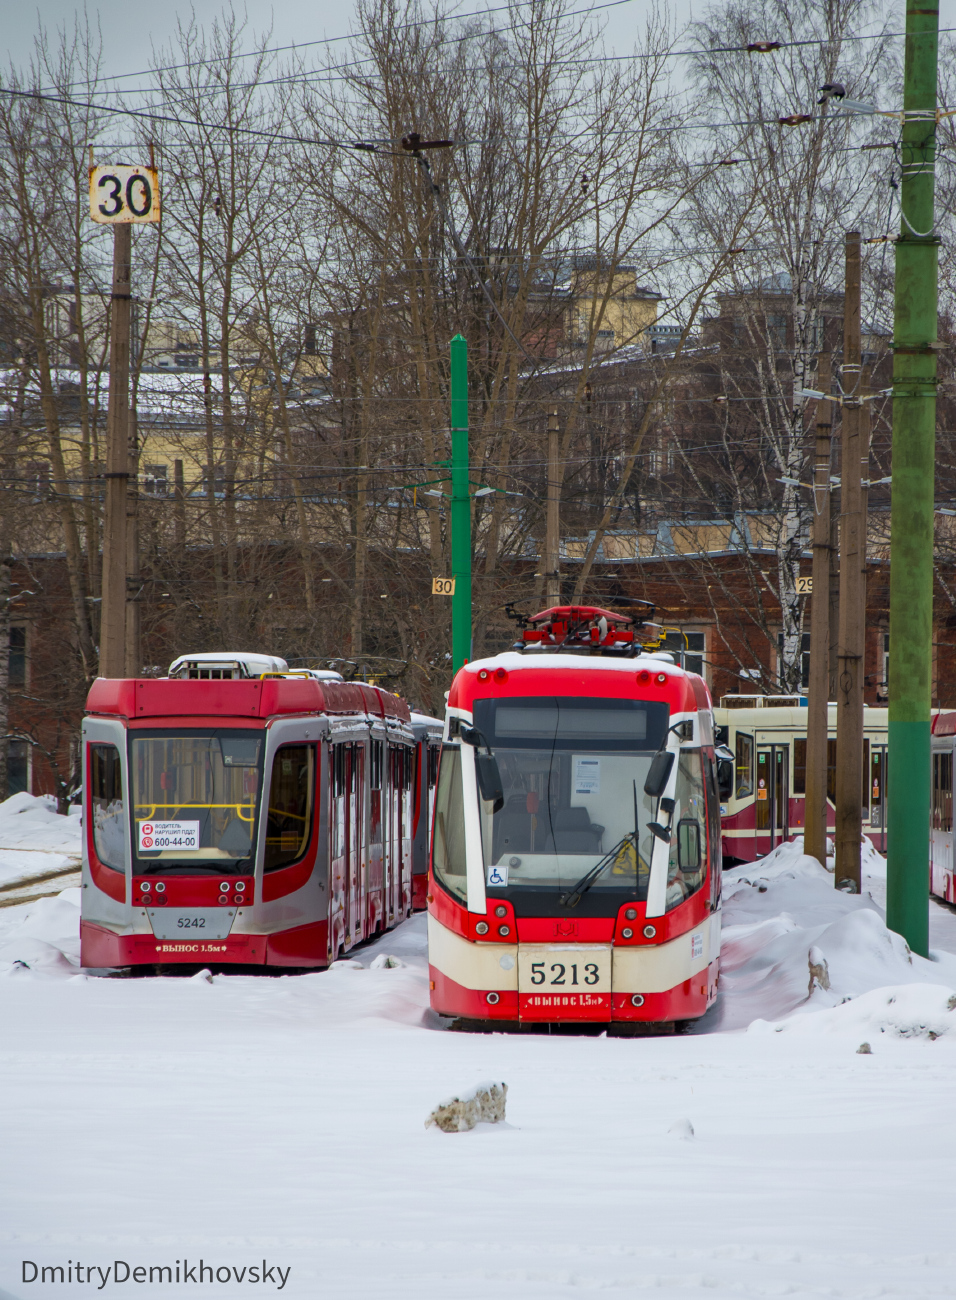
point(195, 800)
point(574, 808)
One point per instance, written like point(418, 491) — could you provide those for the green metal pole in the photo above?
point(460, 507)
point(914, 439)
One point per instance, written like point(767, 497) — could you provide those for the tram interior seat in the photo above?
point(572, 831)
point(235, 841)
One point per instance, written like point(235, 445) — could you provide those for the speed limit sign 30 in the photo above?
point(119, 195)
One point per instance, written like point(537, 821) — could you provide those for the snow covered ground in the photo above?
point(226, 1121)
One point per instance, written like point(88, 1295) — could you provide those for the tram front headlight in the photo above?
point(627, 933)
point(650, 931)
point(481, 927)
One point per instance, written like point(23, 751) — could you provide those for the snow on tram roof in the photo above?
point(513, 661)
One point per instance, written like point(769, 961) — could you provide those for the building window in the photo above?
point(18, 767)
point(155, 481)
point(777, 332)
point(688, 650)
point(17, 658)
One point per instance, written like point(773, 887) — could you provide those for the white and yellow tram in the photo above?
point(767, 736)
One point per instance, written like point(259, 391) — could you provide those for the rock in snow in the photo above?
point(682, 1128)
point(483, 1105)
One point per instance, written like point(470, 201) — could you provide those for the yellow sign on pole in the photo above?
point(804, 586)
point(443, 586)
point(120, 195)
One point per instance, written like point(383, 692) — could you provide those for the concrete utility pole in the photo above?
point(113, 607)
point(914, 447)
point(460, 507)
point(815, 826)
point(850, 641)
point(552, 560)
point(133, 581)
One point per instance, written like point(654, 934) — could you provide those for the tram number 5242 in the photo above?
point(566, 975)
point(124, 194)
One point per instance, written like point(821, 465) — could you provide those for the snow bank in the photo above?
point(34, 838)
point(900, 1011)
point(793, 944)
point(42, 937)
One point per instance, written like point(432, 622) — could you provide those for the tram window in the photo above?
point(433, 752)
point(375, 764)
point(449, 852)
point(106, 804)
point(686, 865)
point(208, 785)
point(291, 803)
point(744, 763)
point(339, 769)
point(942, 808)
point(800, 765)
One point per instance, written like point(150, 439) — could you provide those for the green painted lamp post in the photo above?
point(460, 507)
point(914, 438)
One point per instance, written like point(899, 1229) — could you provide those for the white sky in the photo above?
point(130, 30)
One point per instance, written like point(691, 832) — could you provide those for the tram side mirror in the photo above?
point(658, 773)
point(725, 771)
point(489, 781)
point(688, 844)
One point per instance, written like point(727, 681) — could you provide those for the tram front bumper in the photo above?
point(676, 980)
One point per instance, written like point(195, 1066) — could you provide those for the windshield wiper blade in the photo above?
point(577, 892)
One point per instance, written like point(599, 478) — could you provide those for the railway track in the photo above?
point(25, 889)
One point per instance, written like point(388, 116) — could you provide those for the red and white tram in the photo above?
point(236, 813)
point(576, 847)
point(428, 734)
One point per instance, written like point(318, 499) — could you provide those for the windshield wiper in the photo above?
point(576, 892)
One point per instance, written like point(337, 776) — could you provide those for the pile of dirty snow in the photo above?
point(792, 944)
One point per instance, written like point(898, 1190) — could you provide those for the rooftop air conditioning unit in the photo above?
point(225, 666)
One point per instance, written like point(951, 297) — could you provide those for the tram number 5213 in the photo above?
point(119, 195)
point(565, 974)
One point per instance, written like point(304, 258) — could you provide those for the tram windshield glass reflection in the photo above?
point(572, 774)
point(195, 801)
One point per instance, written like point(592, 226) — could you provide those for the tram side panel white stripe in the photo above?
point(663, 966)
point(472, 965)
point(474, 867)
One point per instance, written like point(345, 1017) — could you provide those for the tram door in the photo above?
point(772, 796)
point(877, 792)
point(357, 856)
